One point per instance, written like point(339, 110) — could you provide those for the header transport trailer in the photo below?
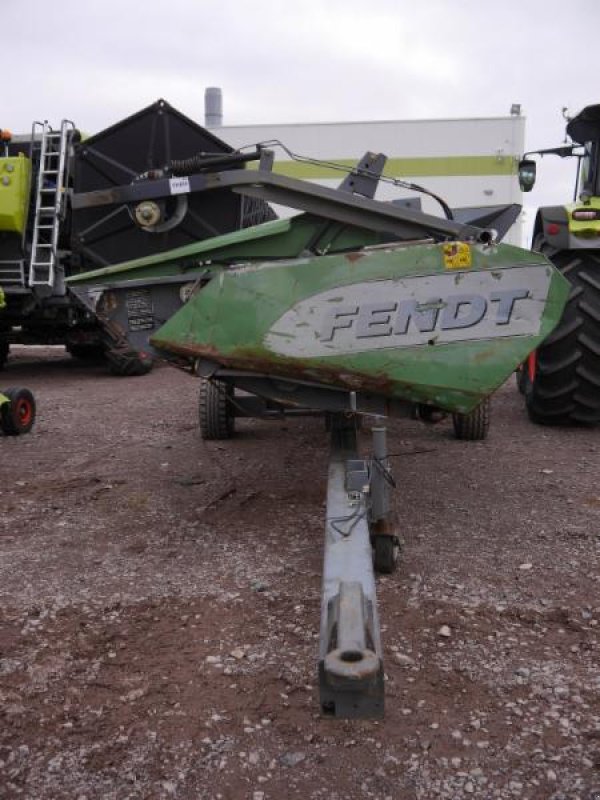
point(44, 240)
point(353, 307)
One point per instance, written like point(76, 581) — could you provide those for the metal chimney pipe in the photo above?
point(213, 107)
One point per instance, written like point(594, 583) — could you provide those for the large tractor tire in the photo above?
point(562, 382)
point(216, 416)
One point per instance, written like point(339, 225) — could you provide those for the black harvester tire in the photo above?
point(18, 416)
point(125, 362)
point(216, 417)
point(4, 350)
point(474, 426)
point(86, 352)
point(566, 384)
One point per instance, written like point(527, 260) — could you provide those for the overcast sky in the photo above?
point(96, 61)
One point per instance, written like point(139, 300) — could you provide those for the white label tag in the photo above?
point(179, 185)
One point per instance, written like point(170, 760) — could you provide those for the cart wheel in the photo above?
point(18, 415)
point(474, 426)
point(216, 416)
point(386, 551)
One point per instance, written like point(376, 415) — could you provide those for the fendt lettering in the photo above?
point(456, 312)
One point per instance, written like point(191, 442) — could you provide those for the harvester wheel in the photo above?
point(125, 362)
point(474, 426)
point(4, 350)
point(216, 415)
point(18, 415)
point(386, 550)
point(566, 379)
point(86, 352)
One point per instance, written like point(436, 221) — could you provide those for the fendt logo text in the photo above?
point(395, 318)
point(408, 312)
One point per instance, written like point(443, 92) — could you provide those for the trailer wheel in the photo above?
point(386, 551)
point(474, 426)
point(566, 380)
point(216, 417)
point(18, 415)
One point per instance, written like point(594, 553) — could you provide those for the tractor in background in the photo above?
point(561, 379)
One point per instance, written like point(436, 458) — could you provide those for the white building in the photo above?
point(469, 162)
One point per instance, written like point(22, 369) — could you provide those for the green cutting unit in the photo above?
point(352, 307)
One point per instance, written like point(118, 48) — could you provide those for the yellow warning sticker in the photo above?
point(457, 255)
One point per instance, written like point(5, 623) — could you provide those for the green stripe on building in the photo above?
point(444, 166)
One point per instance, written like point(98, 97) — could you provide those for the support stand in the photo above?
point(350, 656)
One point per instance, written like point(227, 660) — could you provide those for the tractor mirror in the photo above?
point(527, 169)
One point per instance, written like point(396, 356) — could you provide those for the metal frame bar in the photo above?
point(350, 654)
point(402, 222)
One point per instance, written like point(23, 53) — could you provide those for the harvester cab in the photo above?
point(561, 379)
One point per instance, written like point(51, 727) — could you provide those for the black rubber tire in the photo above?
point(215, 412)
point(566, 385)
point(4, 351)
point(18, 416)
point(474, 426)
point(128, 363)
point(86, 352)
point(386, 551)
point(522, 378)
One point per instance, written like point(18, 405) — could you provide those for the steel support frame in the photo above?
point(351, 678)
point(345, 207)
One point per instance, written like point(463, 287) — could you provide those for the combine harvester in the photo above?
point(353, 307)
point(44, 240)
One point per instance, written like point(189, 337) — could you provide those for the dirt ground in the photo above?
point(159, 605)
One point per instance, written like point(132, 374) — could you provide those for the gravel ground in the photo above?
point(159, 605)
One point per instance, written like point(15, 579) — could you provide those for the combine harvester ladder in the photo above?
point(49, 205)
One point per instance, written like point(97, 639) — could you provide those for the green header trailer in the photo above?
point(561, 379)
point(352, 308)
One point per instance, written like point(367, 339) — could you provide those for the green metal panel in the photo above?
point(15, 177)
point(269, 318)
point(282, 238)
